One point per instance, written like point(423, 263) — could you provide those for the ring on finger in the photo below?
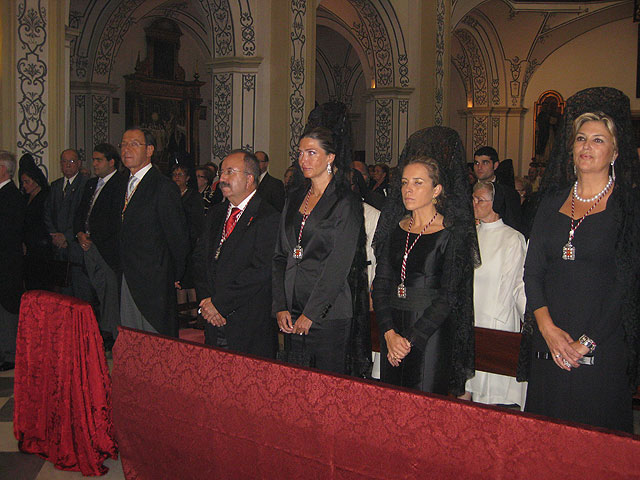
point(557, 355)
point(565, 362)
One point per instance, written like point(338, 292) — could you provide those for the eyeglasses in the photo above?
point(134, 144)
point(231, 171)
point(69, 161)
point(480, 200)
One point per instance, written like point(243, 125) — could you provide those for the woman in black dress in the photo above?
point(581, 272)
point(422, 291)
point(37, 241)
point(319, 231)
point(194, 211)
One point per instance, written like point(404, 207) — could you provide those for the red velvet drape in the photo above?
point(183, 410)
point(62, 387)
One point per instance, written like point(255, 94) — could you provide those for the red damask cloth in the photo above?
point(62, 388)
point(184, 410)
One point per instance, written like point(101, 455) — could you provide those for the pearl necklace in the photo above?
point(594, 198)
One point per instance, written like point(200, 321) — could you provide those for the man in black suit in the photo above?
point(506, 200)
point(12, 208)
point(270, 188)
point(154, 240)
point(233, 262)
point(59, 214)
point(97, 224)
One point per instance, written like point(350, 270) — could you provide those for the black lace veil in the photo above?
point(29, 167)
point(559, 175)
point(443, 145)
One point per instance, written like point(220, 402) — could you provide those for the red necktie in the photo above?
point(231, 221)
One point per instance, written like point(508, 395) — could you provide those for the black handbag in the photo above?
point(300, 357)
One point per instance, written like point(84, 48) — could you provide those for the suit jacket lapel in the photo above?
point(321, 210)
point(138, 198)
point(217, 224)
point(297, 197)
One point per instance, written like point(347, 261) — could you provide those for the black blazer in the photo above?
point(105, 218)
point(272, 191)
point(12, 206)
point(154, 242)
point(239, 282)
point(507, 204)
point(329, 241)
point(59, 215)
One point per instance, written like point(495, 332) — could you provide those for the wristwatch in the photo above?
point(587, 342)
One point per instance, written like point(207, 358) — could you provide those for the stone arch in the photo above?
point(99, 47)
point(330, 20)
point(373, 28)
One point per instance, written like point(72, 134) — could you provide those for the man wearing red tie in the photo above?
point(233, 262)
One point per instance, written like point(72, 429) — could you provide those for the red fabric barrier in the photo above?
point(183, 410)
point(62, 388)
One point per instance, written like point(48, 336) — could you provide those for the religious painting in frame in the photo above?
point(548, 111)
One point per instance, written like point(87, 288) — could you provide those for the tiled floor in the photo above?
point(19, 466)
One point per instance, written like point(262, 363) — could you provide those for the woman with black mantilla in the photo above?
point(318, 235)
point(422, 291)
point(581, 271)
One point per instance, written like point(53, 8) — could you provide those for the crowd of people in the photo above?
point(430, 249)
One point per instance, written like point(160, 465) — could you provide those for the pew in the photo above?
point(185, 410)
point(496, 352)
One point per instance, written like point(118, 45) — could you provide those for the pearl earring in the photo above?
point(613, 170)
point(329, 169)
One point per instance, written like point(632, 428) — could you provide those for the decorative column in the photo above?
point(234, 104)
point(89, 122)
point(34, 44)
point(387, 123)
point(302, 66)
point(497, 127)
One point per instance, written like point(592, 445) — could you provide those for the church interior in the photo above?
point(210, 76)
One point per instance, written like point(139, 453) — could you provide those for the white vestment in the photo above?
point(499, 302)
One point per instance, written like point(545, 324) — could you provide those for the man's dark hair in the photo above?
point(489, 152)
point(251, 164)
point(110, 153)
point(149, 138)
point(266, 157)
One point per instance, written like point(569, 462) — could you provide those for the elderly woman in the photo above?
point(37, 241)
point(204, 178)
point(426, 249)
point(319, 231)
point(498, 293)
point(581, 271)
point(381, 177)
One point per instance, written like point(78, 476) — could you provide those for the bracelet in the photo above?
point(587, 342)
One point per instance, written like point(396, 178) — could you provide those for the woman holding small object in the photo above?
point(422, 291)
point(316, 245)
point(581, 271)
